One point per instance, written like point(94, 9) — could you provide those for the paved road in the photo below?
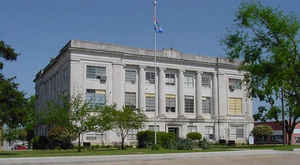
point(257, 157)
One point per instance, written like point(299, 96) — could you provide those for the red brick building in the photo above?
point(276, 137)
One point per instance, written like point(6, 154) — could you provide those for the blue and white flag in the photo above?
point(157, 27)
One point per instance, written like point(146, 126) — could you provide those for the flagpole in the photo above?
point(155, 74)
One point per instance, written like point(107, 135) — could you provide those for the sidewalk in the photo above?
point(120, 158)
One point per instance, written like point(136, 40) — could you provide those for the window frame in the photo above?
point(189, 81)
point(100, 72)
point(152, 106)
point(189, 108)
point(128, 95)
point(170, 100)
point(206, 79)
point(128, 77)
point(150, 78)
point(204, 110)
point(170, 80)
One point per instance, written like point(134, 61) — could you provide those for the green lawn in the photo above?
point(112, 151)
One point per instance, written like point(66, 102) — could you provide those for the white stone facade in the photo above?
point(194, 92)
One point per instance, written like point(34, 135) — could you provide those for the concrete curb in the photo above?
point(118, 158)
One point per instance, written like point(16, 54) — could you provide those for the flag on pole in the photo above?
point(157, 27)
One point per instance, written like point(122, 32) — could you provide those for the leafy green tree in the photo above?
point(266, 41)
point(262, 131)
point(125, 120)
point(11, 99)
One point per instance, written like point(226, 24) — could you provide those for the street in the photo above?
point(259, 157)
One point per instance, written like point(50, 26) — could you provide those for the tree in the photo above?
point(11, 100)
point(125, 120)
point(262, 131)
point(267, 42)
point(7, 52)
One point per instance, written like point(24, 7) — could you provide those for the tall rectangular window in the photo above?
point(235, 84)
point(150, 102)
point(235, 106)
point(206, 104)
point(239, 132)
point(206, 80)
point(130, 99)
point(130, 76)
point(188, 81)
point(95, 97)
point(96, 72)
point(170, 103)
point(189, 104)
point(170, 78)
point(150, 77)
point(209, 132)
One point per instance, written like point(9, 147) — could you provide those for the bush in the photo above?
point(184, 144)
point(194, 136)
point(262, 131)
point(146, 139)
point(204, 144)
point(40, 142)
point(155, 147)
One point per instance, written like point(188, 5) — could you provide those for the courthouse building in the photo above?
point(195, 93)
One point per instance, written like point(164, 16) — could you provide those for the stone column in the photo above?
point(161, 92)
point(198, 94)
point(118, 85)
point(142, 88)
point(215, 95)
point(180, 93)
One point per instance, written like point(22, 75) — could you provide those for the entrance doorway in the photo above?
point(174, 130)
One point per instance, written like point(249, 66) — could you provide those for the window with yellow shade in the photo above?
point(235, 106)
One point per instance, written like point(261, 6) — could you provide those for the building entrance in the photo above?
point(174, 130)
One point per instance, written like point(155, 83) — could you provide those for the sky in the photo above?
point(39, 29)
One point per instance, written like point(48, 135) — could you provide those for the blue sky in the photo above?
point(39, 29)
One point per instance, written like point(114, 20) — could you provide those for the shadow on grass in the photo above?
point(8, 154)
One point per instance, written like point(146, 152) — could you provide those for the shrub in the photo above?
point(262, 131)
point(184, 144)
point(194, 136)
point(155, 147)
point(41, 142)
point(204, 144)
point(146, 139)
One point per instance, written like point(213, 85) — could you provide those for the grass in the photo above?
point(54, 153)
point(115, 151)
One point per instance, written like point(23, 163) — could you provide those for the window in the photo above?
point(235, 84)
point(235, 106)
point(150, 102)
point(130, 99)
point(95, 97)
point(191, 129)
point(189, 81)
point(189, 104)
point(153, 127)
point(170, 78)
point(170, 103)
point(150, 77)
point(132, 134)
point(96, 72)
point(297, 139)
point(239, 133)
point(206, 105)
point(209, 132)
point(206, 80)
point(130, 76)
